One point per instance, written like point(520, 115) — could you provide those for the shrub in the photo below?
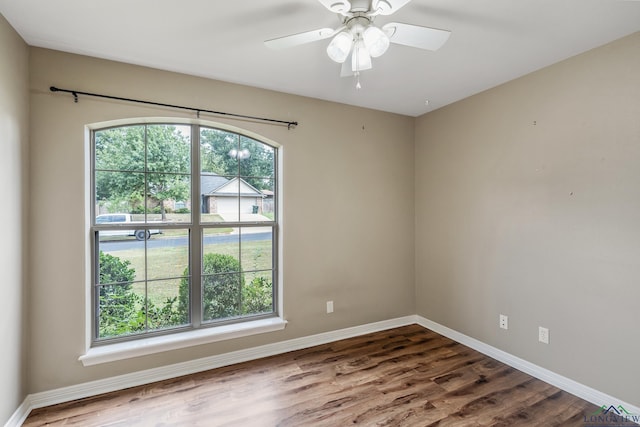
point(117, 302)
point(222, 284)
point(114, 270)
point(164, 316)
point(257, 296)
point(138, 209)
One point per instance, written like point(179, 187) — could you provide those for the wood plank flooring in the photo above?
point(408, 376)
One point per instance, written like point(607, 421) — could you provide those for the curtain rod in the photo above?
point(75, 94)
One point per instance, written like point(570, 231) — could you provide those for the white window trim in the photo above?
point(158, 344)
point(146, 346)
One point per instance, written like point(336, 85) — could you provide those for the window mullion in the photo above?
point(146, 221)
point(195, 238)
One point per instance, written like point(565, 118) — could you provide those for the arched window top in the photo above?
point(224, 127)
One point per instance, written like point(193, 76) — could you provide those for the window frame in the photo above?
point(195, 229)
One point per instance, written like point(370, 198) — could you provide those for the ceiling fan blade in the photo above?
point(416, 36)
point(337, 6)
point(387, 7)
point(300, 38)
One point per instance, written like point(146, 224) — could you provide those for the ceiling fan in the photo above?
point(358, 40)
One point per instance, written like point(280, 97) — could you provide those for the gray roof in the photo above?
point(210, 183)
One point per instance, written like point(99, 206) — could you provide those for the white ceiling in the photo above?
point(492, 41)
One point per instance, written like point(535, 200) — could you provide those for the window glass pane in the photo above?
point(256, 160)
point(167, 303)
point(118, 303)
point(261, 202)
point(221, 293)
point(257, 248)
point(120, 149)
point(257, 293)
point(221, 251)
point(268, 208)
point(121, 257)
point(221, 290)
point(250, 199)
point(218, 152)
point(118, 308)
point(168, 148)
point(168, 300)
point(163, 190)
point(221, 199)
point(119, 192)
point(168, 255)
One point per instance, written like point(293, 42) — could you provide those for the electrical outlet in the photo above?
point(543, 335)
point(504, 322)
point(329, 306)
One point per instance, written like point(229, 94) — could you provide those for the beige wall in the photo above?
point(14, 115)
point(528, 204)
point(348, 207)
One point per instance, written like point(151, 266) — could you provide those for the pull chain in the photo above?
point(357, 73)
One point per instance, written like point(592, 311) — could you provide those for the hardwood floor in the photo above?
point(408, 376)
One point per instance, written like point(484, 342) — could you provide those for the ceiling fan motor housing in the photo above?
point(358, 23)
point(360, 5)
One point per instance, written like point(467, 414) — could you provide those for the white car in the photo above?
point(124, 218)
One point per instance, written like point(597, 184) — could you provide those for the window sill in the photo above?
point(147, 346)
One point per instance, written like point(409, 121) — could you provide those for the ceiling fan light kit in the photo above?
point(376, 41)
point(358, 39)
point(339, 48)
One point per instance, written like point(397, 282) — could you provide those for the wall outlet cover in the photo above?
point(543, 335)
point(504, 321)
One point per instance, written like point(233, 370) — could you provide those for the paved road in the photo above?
point(161, 242)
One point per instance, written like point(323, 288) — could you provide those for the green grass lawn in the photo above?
point(167, 265)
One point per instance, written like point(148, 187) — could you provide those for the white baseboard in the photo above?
point(570, 386)
point(80, 391)
point(20, 414)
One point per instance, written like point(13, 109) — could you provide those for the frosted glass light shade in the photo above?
point(361, 59)
point(375, 40)
point(339, 48)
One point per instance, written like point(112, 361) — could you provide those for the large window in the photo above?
point(184, 229)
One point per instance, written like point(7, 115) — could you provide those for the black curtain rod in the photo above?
point(75, 94)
